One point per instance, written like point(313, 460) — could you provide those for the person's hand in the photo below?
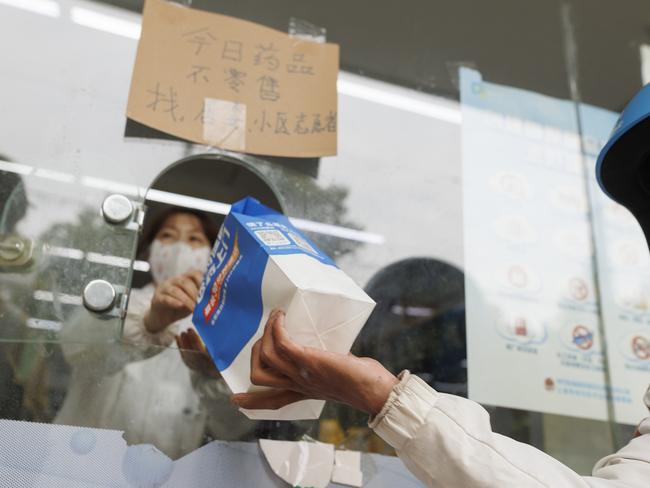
point(173, 300)
point(194, 354)
point(298, 372)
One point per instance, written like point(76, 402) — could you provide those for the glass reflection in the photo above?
point(421, 314)
point(159, 384)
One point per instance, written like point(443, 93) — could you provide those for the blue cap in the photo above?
point(623, 166)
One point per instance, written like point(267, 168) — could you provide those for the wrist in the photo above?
point(379, 392)
point(151, 323)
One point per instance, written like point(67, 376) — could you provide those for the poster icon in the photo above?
point(512, 185)
point(574, 241)
point(518, 277)
point(583, 338)
point(520, 329)
point(549, 384)
point(641, 347)
point(631, 295)
point(581, 335)
point(629, 253)
point(578, 289)
point(569, 199)
point(515, 229)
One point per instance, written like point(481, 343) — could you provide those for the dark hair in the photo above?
point(151, 228)
point(13, 200)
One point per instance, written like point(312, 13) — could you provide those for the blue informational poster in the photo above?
point(533, 316)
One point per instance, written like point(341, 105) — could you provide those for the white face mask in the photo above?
point(170, 260)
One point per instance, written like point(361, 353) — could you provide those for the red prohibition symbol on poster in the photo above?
point(641, 347)
point(583, 337)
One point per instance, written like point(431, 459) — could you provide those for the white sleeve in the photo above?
point(447, 441)
point(135, 332)
point(106, 357)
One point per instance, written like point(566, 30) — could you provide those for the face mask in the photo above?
point(170, 260)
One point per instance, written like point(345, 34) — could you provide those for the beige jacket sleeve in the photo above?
point(447, 441)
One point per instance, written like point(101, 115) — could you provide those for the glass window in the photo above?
point(461, 199)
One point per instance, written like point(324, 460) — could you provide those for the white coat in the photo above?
point(447, 441)
point(142, 386)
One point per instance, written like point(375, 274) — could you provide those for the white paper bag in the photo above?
point(261, 262)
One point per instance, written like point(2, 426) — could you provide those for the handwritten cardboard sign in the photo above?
point(233, 84)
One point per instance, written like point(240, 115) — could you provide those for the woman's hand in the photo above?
point(194, 354)
point(173, 300)
point(299, 372)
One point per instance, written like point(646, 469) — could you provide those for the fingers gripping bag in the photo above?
point(259, 262)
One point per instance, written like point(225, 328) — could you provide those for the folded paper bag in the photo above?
point(300, 463)
point(347, 468)
point(261, 262)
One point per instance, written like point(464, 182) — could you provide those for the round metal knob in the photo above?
point(117, 209)
point(11, 248)
point(99, 296)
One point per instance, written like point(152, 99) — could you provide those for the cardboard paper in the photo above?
point(300, 463)
point(347, 468)
point(260, 262)
point(233, 84)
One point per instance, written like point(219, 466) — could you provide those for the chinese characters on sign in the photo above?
point(230, 83)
